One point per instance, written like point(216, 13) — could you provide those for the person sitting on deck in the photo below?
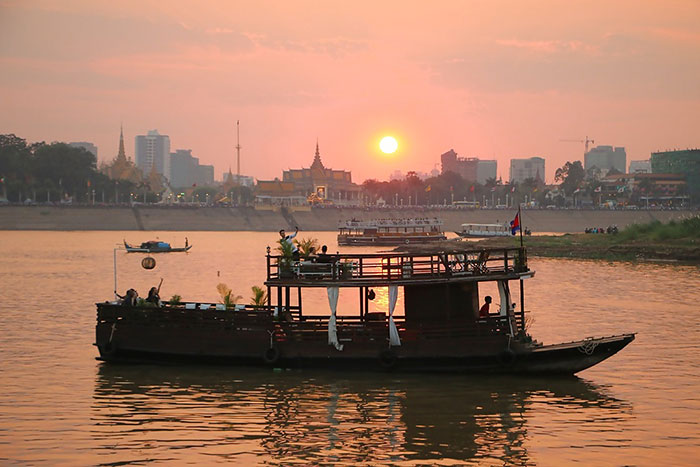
point(154, 294)
point(324, 257)
point(128, 299)
point(484, 310)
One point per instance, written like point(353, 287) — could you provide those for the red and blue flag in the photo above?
point(515, 224)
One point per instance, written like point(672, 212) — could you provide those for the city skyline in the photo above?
point(493, 81)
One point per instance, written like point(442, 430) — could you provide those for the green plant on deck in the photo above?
point(307, 247)
point(286, 259)
point(227, 297)
point(175, 300)
point(259, 297)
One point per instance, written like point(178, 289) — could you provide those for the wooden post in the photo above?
point(522, 305)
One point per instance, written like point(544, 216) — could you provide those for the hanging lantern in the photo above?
point(148, 262)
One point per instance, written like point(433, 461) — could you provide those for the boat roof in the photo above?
point(402, 222)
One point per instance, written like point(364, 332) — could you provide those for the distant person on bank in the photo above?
point(288, 239)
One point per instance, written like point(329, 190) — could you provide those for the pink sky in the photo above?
point(490, 79)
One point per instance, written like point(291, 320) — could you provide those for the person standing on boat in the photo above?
point(484, 310)
point(288, 239)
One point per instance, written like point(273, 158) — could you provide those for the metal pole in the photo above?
point(115, 274)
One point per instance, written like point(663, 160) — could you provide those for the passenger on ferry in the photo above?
point(128, 299)
point(484, 311)
point(288, 239)
point(324, 257)
point(154, 294)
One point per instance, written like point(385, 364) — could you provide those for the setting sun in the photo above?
point(388, 145)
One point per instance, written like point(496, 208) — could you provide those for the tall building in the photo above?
point(686, 162)
point(522, 169)
point(640, 167)
point(469, 168)
point(89, 147)
point(466, 167)
point(153, 150)
point(186, 171)
point(486, 169)
point(605, 158)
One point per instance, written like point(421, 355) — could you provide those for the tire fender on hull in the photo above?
point(388, 359)
point(271, 355)
point(507, 357)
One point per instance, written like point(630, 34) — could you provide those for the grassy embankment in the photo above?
point(676, 240)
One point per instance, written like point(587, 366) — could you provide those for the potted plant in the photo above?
point(286, 258)
point(259, 298)
point(227, 297)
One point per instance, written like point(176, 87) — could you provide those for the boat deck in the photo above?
point(355, 270)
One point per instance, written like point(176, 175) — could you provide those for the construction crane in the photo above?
point(586, 141)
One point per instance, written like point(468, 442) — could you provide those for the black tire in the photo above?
point(388, 359)
point(507, 357)
point(271, 355)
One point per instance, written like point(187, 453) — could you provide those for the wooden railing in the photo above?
point(398, 266)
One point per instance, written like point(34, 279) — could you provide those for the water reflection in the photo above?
point(147, 413)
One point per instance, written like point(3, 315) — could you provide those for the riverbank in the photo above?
point(150, 218)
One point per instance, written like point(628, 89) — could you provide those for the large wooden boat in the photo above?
point(390, 231)
point(440, 330)
point(154, 246)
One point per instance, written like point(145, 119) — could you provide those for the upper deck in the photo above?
point(357, 270)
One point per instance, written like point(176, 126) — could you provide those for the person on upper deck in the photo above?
point(288, 239)
point(128, 299)
point(154, 294)
point(324, 257)
point(484, 310)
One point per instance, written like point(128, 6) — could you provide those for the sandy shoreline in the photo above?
point(248, 219)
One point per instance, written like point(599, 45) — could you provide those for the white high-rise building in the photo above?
point(522, 169)
point(153, 149)
point(605, 158)
point(640, 167)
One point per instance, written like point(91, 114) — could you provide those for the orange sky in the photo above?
point(491, 79)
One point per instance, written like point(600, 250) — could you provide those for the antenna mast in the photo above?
point(238, 152)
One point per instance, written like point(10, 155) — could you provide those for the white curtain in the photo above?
point(332, 332)
point(393, 332)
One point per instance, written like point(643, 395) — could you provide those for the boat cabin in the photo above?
point(485, 230)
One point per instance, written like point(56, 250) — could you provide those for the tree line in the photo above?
point(54, 172)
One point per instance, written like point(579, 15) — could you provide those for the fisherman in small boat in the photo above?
point(484, 310)
point(288, 239)
point(154, 294)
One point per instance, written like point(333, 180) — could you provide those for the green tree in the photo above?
point(570, 175)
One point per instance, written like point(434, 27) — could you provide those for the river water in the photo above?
point(59, 406)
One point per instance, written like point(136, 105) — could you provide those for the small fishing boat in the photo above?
point(155, 246)
point(442, 328)
point(390, 231)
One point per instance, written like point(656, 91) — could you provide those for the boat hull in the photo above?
point(261, 341)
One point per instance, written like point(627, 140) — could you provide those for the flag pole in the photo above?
point(520, 219)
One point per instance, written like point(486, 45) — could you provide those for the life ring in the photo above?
point(271, 355)
point(388, 359)
point(507, 357)
point(407, 241)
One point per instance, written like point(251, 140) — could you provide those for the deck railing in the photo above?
point(398, 266)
